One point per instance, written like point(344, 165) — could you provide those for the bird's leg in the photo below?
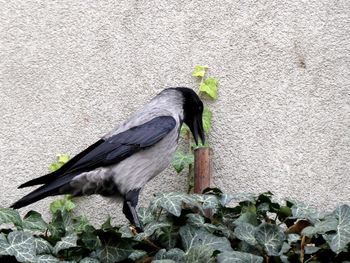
point(131, 199)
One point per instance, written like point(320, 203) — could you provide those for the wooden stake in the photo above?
point(202, 169)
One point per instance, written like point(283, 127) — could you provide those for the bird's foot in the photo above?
point(135, 230)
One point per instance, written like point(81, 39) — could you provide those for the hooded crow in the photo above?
point(125, 159)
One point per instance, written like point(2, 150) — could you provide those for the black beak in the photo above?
point(197, 129)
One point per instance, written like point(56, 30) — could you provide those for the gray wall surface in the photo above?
point(72, 70)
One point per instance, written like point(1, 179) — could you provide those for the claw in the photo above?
point(135, 230)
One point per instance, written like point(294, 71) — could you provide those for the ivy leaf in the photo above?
point(3, 245)
point(137, 254)
point(89, 260)
point(238, 257)
point(164, 261)
point(33, 221)
point(195, 220)
point(341, 239)
point(185, 130)
point(47, 259)
point(200, 254)
point(209, 87)
point(66, 242)
point(62, 204)
point(304, 211)
point(238, 197)
point(21, 245)
point(61, 160)
point(42, 246)
point(199, 71)
point(174, 254)
point(193, 237)
point(207, 201)
point(182, 160)
point(145, 215)
point(171, 202)
point(90, 240)
point(150, 229)
point(112, 251)
point(126, 232)
point(206, 118)
point(9, 215)
point(270, 237)
point(246, 233)
point(321, 227)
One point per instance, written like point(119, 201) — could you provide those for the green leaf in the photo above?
point(137, 254)
point(107, 224)
point(145, 215)
point(9, 215)
point(33, 221)
point(174, 254)
point(47, 259)
point(200, 254)
point(62, 204)
point(112, 252)
point(169, 237)
point(209, 87)
point(182, 160)
point(246, 232)
point(321, 227)
point(237, 197)
point(171, 202)
point(90, 240)
point(195, 220)
point(63, 158)
point(341, 239)
point(89, 260)
point(42, 246)
point(21, 245)
point(66, 242)
point(193, 237)
point(199, 71)
point(150, 229)
point(126, 232)
point(185, 130)
point(304, 211)
point(3, 245)
point(164, 261)
point(206, 119)
point(270, 237)
point(207, 201)
point(55, 166)
point(238, 257)
point(247, 217)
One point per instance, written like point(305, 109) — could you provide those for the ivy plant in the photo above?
point(208, 90)
point(177, 228)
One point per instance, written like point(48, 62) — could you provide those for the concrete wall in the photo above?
point(72, 70)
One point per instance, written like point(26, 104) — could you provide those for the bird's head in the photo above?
point(193, 111)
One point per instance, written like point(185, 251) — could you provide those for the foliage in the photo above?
point(207, 89)
point(178, 227)
point(61, 160)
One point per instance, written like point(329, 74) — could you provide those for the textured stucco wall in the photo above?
point(72, 70)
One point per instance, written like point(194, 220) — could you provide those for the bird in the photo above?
point(125, 159)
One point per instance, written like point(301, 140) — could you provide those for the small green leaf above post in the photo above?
point(207, 116)
point(210, 88)
point(182, 160)
point(199, 71)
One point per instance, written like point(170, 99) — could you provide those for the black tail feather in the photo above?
point(52, 188)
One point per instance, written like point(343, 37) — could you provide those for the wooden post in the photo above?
point(203, 165)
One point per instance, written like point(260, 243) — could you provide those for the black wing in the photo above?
point(103, 153)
